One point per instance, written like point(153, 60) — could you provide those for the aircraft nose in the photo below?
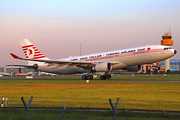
point(175, 51)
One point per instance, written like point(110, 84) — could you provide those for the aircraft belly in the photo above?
point(62, 70)
point(118, 66)
point(160, 56)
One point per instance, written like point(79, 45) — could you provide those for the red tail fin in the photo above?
point(31, 51)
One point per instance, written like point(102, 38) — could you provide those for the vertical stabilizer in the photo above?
point(31, 51)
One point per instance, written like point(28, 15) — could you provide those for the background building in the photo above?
point(2, 69)
point(174, 64)
point(15, 69)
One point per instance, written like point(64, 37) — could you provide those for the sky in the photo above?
point(58, 27)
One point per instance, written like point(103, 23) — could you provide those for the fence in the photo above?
point(27, 107)
point(58, 102)
point(54, 108)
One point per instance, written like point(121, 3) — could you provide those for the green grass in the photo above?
point(96, 94)
point(76, 115)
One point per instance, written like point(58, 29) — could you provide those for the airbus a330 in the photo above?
point(130, 59)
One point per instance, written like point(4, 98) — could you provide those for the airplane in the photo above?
point(5, 74)
point(129, 59)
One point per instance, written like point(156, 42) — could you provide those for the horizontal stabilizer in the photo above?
point(28, 66)
point(14, 56)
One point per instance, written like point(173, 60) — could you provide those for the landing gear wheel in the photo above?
point(90, 77)
point(87, 77)
point(102, 77)
point(84, 77)
point(108, 76)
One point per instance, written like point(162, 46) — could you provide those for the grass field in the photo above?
point(96, 94)
point(82, 115)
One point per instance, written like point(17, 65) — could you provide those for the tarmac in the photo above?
point(89, 80)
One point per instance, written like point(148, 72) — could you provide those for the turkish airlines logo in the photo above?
point(30, 52)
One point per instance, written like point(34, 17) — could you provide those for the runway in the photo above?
point(108, 80)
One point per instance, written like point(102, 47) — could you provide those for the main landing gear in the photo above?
point(90, 77)
point(87, 77)
point(103, 77)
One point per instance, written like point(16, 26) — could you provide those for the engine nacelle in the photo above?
point(102, 67)
point(133, 68)
point(35, 66)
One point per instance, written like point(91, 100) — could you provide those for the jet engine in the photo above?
point(134, 68)
point(102, 67)
point(35, 66)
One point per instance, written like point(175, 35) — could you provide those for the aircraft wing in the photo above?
point(28, 66)
point(62, 63)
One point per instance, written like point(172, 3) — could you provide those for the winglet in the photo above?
point(14, 56)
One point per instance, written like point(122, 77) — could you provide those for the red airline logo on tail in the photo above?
point(32, 52)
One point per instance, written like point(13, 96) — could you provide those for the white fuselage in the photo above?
point(124, 57)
